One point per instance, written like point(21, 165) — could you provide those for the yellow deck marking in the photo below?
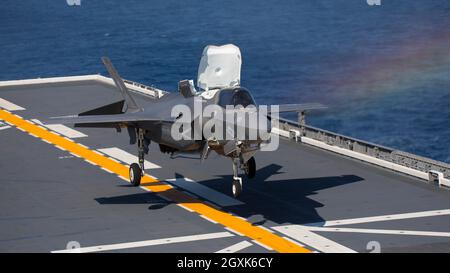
point(258, 234)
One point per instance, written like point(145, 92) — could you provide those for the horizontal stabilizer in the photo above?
point(103, 120)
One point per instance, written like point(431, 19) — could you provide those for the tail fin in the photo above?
point(130, 103)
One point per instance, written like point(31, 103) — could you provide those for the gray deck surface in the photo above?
point(49, 197)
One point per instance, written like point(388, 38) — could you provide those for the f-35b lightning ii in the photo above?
point(219, 85)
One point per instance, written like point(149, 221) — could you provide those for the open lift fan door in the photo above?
point(220, 66)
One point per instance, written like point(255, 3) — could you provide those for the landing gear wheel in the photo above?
point(236, 187)
point(250, 168)
point(135, 174)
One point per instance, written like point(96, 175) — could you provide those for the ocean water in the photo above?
point(384, 71)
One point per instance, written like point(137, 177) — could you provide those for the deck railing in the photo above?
point(426, 165)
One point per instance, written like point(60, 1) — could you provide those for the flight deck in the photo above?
point(65, 189)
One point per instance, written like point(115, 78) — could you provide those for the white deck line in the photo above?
point(234, 231)
point(208, 219)
point(305, 236)
point(381, 231)
point(184, 207)
point(266, 228)
point(205, 192)
point(137, 244)
point(9, 105)
point(262, 245)
point(61, 129)
point(236, 247)
point(294, 242)
point(4, 126)
point(126, 157)
point(381, 218)
point(90, 162)
point(106, 170)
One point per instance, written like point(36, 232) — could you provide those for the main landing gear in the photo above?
point(137, 170)
point(250, 168)
point(250, 171)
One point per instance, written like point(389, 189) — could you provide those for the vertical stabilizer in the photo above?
point(130, 103)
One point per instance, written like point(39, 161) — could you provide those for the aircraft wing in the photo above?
point(102, 120)
point(284, 108)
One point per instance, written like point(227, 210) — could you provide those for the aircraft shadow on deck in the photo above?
point(153, 200)
point(281, 201)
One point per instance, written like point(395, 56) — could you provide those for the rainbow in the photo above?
point(403, 67)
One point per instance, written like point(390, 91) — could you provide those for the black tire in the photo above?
point(135, 174)
point(236, 188)
point(250, 169)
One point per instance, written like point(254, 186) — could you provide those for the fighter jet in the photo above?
point(219, 85)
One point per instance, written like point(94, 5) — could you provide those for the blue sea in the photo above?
point(384, 71)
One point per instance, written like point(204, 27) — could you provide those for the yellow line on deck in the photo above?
point(258, 234)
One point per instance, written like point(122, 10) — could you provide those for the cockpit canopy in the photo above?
point(235, 96)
